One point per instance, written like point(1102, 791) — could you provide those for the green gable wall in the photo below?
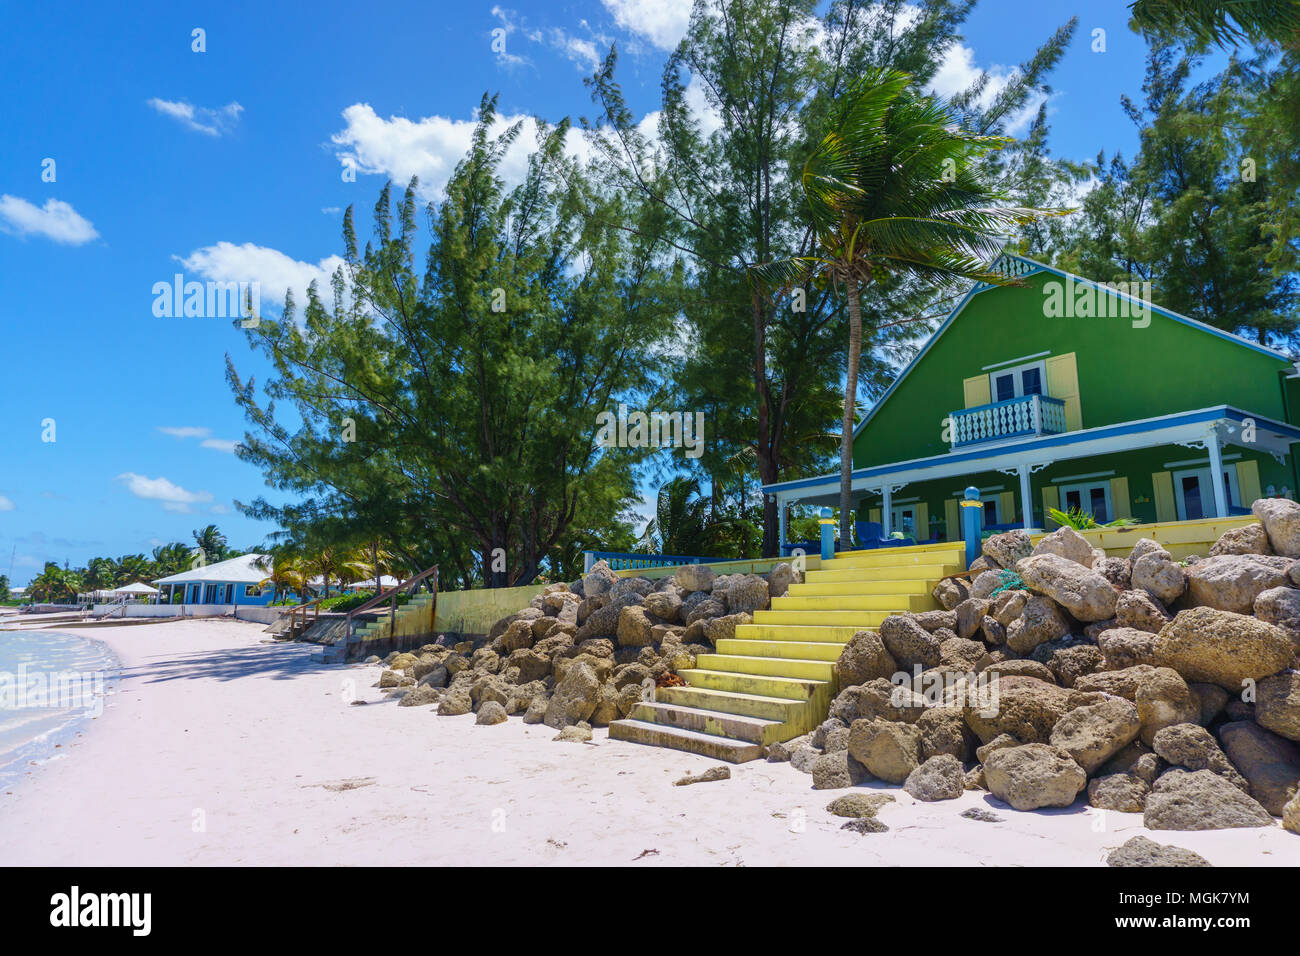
point(1125, 373)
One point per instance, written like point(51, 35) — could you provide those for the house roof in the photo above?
point(1020, 267)
point(245, 569)
point(136, 588)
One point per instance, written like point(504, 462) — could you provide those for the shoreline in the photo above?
point(41, 749)
point(222, 749)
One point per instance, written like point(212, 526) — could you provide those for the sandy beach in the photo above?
point(219, 748)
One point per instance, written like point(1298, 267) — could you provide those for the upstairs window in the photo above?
point(1017, 382)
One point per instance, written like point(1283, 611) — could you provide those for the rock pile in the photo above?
point(583, 654)
point(1142, 683)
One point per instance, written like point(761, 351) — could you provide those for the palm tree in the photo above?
point(54, 585)
point(370, 560)
point(893, 189)
point(287, 574)
point(211, 544)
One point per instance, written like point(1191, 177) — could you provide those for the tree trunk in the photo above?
point(850, 407)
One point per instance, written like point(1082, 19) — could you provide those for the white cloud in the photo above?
point(196, 431)
point(185, 431)
point(957, 73)
point(210, 122)
point(6, 504)
point(173, 497)
point(274, 271)
point(662, 22)
point(55, 220)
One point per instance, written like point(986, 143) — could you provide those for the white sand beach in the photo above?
point(220, 748)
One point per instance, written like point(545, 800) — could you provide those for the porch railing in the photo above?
point(1014, 418)
point(629, 560)
point(428, 576)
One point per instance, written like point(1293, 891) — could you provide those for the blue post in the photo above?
point(972, 518)
point(828, 534)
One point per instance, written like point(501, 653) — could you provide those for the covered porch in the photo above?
point(1004, 467)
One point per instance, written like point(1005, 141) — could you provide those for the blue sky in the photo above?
point(229, 163)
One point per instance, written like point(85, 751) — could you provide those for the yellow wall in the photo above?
point(1179, 538)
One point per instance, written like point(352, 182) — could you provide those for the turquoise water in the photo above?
point(50, 685)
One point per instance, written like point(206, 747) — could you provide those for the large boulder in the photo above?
point(1277, 704)
point(1248, 539)
point(1081, 591)
point(909, 643)
point(1126, 646)
point(939, 778)
point(665, 605)
point(635, 627)
point(1155, 571)
point(1281, 520)
point(1066, 543)
point(1200, 800)
point(1122, 792)
point(1281, 608)
point(836, 770)
point(780, 578)
point(944, 731)
point(1024, 707)
point(603, 622)
point(1221, 647)
point(724, 628)
point(598, 580)
point(863, 659)
point(1291, 814)
point(1140, 611)
point(1140, 851)
point(574, 698)
point(1008, 548)
point(950, 592)
point(1068, 664)
point(1270, 764)
point(705, 610)
point(748, 594)
point(888, 749)
point(1034, 776)
point(878, 698)
point(1094, 733)
point(695, 577)
point(1041, 621)
point(969, 615)
point(1160, 693)
point(1231, 582)
point(1192, 747)
point(1115, 570)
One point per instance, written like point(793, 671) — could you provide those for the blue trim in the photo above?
point(629, 560)
point(1055, 441)
point(1044, 267)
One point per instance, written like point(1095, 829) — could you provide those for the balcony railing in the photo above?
point(1015, 418)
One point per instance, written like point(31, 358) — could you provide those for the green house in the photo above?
point(1061, 392)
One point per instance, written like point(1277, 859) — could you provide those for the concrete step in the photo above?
point(856, 602)
point(706, 745)
point(780, 709)
point(939, 547)
point(856, 619)
point(767, 666)
point(797, 650)
point(894, 558)
point(902, 572)
point(794, 632)
point(755, 730)
point(792, 688)
point(865, 587)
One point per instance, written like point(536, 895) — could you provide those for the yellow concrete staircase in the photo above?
point(774, 680)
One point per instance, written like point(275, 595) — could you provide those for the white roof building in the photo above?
point(245, 569)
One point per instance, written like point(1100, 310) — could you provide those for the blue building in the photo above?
point(244, 580)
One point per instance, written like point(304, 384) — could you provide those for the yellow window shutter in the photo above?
point(976, 390)
point(1063, 383)
point(1051, 499)
point(922, 522)
point(952, 524)
point(874, 515)
point(1248, 482)
point(1163, 485)
point(1119, 499)
point(1007, 509)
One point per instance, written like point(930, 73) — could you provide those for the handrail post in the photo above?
point(972, 513)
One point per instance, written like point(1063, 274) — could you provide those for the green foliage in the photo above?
point(473, 385)
point(1081, 520)
point(1224, 22)
point(686, 523)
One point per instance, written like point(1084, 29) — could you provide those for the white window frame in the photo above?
point(1083, 488)
point(1207, 487)
point(1017, 382)
point(896, 519)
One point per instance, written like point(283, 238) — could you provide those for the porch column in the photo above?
point(780, 526)
point(1216, 473)
point(886, 509)
point(1026, 498)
